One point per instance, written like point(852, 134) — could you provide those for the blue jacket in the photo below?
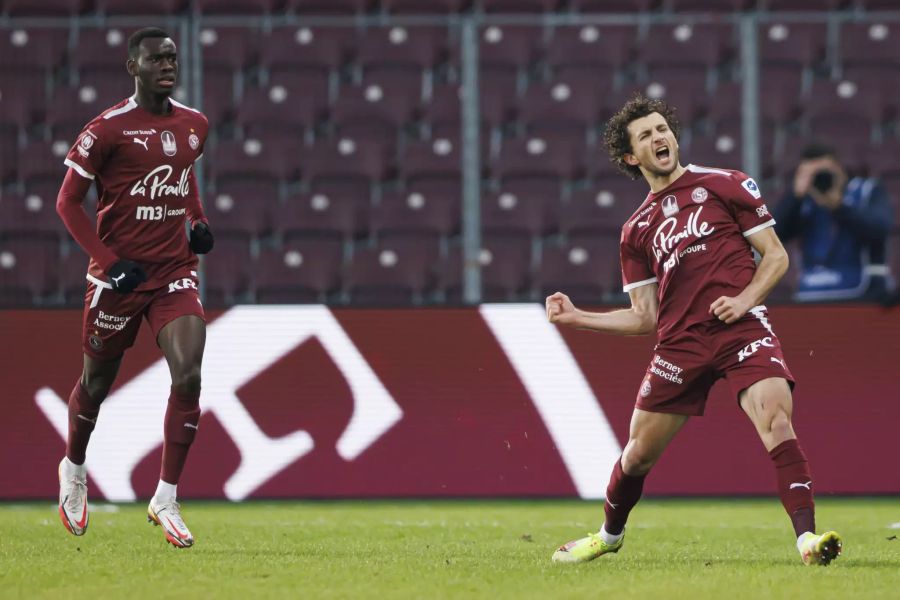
point(845, 250)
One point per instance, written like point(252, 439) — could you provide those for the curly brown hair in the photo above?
point(616, 136)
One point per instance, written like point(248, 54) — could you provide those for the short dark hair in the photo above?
point(818, 149)
point(618, 141)
point(140, 35)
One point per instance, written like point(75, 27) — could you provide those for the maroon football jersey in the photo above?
point(690, 238)
point(144, 168)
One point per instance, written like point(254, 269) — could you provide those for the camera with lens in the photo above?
point(823, 180)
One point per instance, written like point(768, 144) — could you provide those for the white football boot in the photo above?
point(167, 515)
point(73, 503)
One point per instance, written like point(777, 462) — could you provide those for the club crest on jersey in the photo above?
point(646, 389)
point(699, 195)
point(96, 342)
point(168, 143)
point(194, 141)
point(670, 206)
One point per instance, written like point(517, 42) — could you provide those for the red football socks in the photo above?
point(795, 485)
point(182, 416)
point(622, 494)
point(83, 411)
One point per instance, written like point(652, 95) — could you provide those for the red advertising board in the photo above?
point(306, 401)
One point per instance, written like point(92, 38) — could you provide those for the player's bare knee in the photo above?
point(97, 387)
point(780, 425)
point(636, 460)
point(187, 380)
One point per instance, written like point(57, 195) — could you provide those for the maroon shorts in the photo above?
point(112, 320)
point(684, 369)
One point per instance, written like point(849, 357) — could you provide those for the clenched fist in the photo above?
point(560, 309)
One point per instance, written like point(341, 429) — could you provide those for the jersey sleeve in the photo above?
point(744, 199)
point(635, 268)
point(90, 152)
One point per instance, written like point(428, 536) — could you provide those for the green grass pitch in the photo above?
point(693, 549)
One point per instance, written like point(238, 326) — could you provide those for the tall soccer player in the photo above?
point(688, 266)
point(141, 154)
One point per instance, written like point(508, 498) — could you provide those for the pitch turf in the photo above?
point(447, 549)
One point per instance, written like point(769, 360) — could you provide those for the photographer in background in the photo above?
point(842, 226)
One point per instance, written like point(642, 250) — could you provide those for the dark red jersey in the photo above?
point(143, 165)
point(691, 239)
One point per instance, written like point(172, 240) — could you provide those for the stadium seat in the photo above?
point(387, 274)
point(376, 109)
point(518, 6)
point(843, 111)
point(103, 49)
point(70, 109)
point(111, 85)
point(709, 6)
point(346, 159)
point(496, 95)
point(510, 47)
point(32, 48)
point(538, 157)
point(877, 5)
point(505, 271)
point(43, 161)
point(273, 157)
point(22, 99)
point(226, 271)
point(45, 8)
point(321, 215)
point(683, 87)
point(870, 44)
point(723, 149)
point(236, 7)
point(9, 150)
point(145, 7)
point(565, 104)
point(291, 102)
point(802, 5)
point(302, 271)
point(28, 270)
point(881, 159)
point(505, 268)
point(614, 6)
point(592, 47)
point(217, 95)
point(792, 44)
point(584, 273)
point(417, 212)
point(322, 48)
point(32, 214)
point(780, 104)
point(601, 209)
point(72, 271)
point(444, 104)
point(419, 7)
point(328, 7)
point(228, 47)
point(431, 159)
point(685, 44)
point(524, 213)
point(421, 47)
point(240, 208)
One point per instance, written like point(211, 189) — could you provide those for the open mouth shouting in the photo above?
point(663, 155)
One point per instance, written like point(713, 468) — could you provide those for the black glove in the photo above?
point(126, 275)
point(201, 239)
